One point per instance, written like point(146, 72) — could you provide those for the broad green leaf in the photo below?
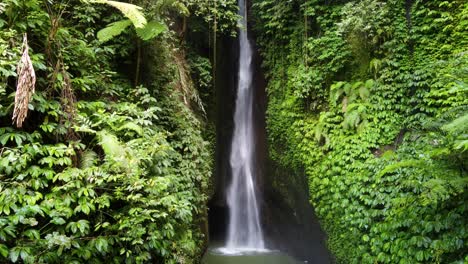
point(14, 254)
point(3, 250)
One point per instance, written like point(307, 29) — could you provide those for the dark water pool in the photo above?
point(220, 256)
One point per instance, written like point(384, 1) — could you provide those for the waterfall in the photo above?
point(244, 230)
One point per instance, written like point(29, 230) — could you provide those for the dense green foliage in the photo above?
point(370, 98)
point(112, 164)
point(113, 161)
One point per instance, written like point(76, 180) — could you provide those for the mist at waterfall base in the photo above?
point(270, 257)
point(250, 220)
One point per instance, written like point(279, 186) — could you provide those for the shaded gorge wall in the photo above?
point(287, 218)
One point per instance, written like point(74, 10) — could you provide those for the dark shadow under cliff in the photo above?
point(288, 219)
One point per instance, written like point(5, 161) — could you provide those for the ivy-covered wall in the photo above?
point(370, 99)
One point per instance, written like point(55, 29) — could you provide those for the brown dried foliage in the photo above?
point(25, 85)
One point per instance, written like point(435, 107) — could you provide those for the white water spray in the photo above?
point(244, 231)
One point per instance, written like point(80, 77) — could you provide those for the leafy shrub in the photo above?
point(101, 170)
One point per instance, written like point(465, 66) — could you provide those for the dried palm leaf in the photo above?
point(25, 85)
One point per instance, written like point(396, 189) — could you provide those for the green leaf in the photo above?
point(132, 126)
point(3, 250)
point(32, 234)
point(4, 138)
point(112, 30)
point(58, 221)
point(151, 30)
point(24, 254)
point(420, 256)
point(364, 92)
point(369, 83)
point(102, 245)
point(14, 254)
point(461, 145)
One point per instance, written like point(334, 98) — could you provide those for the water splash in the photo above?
point(244, 230)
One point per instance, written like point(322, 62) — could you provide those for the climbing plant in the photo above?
point(101, 169)
point(368, 97)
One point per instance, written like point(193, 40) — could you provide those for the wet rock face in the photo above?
point(225, 85)
point(287, 218)
point(289, 221)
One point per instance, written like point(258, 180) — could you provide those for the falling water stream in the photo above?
point(245, 241)
point(244, 230)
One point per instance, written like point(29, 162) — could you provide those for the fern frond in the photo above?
point(151, 30)
point(352, 97)
point(336, 86)
point(132, 12)
point(132, 126)
point(461, 144)
point(110, 144)
point(369, 84)
point(88, 159)
point(112, 30)
point(356, 85)
point(347, 88)
point(2, 7)
point(318, 132)
point(375, 65)
point(412, 163)
point(458, 125)
point(335, 95)
point(355, 115)
point(364, 92)
point(181, 8)
point(362, 126)
point(353, 107)
point(437, 190)
point(351, 119)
